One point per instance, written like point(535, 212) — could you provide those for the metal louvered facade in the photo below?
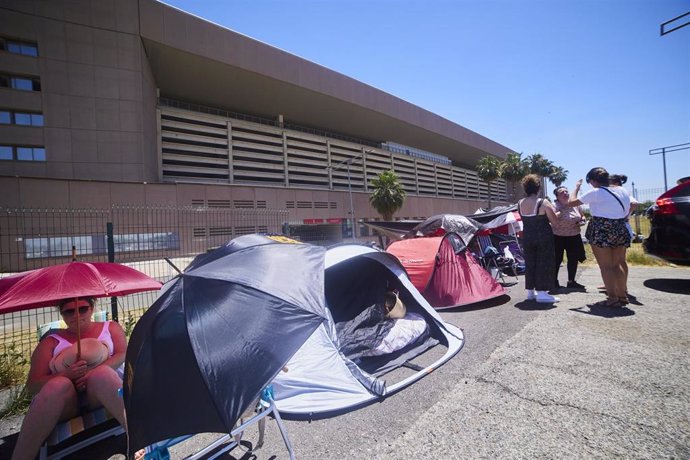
point(205, 148)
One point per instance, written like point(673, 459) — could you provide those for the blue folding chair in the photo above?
point(265, 407)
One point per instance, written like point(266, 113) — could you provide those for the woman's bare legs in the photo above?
point(621, 272)
point(611, 262)
point(56, 401)
point(102, 389)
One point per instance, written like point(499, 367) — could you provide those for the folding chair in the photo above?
point(265, 407)
point(494, 262)
point(86, 429)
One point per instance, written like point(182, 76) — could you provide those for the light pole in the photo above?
point(663, 151)
point(338, 166)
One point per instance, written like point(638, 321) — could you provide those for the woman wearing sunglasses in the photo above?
point(64, 384)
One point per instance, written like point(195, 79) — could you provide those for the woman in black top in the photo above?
point(537, 241)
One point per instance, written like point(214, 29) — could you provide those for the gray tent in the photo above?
point(321, 378)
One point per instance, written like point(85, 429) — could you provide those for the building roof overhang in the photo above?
point(197, 61)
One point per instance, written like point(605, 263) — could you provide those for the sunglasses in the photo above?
point(70, 312)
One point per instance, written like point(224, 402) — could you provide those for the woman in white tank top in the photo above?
point(62, 390)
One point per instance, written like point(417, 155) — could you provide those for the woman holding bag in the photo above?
point(607, 232)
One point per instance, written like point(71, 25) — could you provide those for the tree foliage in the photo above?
point(539, 165)
point(514, 167)
point(558, 175)
point(488, 170)
point(388, 195)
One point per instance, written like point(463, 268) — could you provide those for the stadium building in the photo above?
point(134, 102)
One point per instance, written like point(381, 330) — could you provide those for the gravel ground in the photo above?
point(532, 381)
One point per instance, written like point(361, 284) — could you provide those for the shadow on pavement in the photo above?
point(529, 305)
point(495, 302)
point(672, 285)
point(603, 311)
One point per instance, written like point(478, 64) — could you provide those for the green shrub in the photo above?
point(128, 324)
point(13, 366)
point(17, 403)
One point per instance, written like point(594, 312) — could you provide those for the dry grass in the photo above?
point(635, 256)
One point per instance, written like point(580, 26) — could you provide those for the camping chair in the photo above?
point(265, 407)
point(494, 262)
point(88, 428)
point(515, 250)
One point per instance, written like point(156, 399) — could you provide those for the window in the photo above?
point(20, 82)
point(5, 117)
point(19, 47)
point(28, 119)
point(61, 246)
point(6, 152)
point(22, 153)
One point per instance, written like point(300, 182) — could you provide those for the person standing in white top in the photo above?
point(606, 232)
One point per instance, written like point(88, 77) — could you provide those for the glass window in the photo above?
point(39, 154)
point(29, 49)
point(4, 81)
point(5, 117)
point(36, 247)
point(22, 118)
point(6, 152)
point(24, 84)
point(36, 119)
point(25, 153)
point(61, 246)
point(25, 48)
point(14, 47)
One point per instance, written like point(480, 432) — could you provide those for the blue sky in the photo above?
point(583, 82)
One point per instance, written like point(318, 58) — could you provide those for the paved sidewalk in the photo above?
point(572, 384)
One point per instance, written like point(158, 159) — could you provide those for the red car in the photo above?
point(669, 238)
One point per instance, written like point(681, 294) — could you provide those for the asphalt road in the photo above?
point(532, 381)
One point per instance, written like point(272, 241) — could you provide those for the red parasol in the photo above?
point(47, 286)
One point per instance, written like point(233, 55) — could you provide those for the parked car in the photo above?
point(669, 238)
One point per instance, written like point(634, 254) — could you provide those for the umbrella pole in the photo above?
point(78, 331)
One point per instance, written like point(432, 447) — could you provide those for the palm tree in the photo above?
point(488, 170)
point(514, 168)
point(540, 166)
point(388, 195)
point(558, 175)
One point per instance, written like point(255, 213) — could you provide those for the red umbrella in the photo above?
point(48, 286)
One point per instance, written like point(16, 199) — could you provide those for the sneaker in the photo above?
point(531, 295)
point(545, 297)
point(574, 285)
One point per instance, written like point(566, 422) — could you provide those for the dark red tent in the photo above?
point(446, 274)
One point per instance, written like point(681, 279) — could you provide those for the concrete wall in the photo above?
point(97, 91)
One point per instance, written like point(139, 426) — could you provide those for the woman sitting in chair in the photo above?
point(64, 386)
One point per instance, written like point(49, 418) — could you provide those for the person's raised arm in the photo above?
point(551, 212)
point(574, 201)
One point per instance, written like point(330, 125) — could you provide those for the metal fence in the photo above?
point(142, 237)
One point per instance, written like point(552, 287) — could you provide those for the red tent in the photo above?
point(444, 272)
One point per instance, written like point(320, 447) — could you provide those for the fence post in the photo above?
point(111, 258)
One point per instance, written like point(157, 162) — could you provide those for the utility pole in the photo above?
point(348, 163)
point(669, 149)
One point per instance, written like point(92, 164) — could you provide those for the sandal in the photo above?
point(610, 303)
point(624, 300)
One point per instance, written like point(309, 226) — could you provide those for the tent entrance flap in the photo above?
point(355, 291)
